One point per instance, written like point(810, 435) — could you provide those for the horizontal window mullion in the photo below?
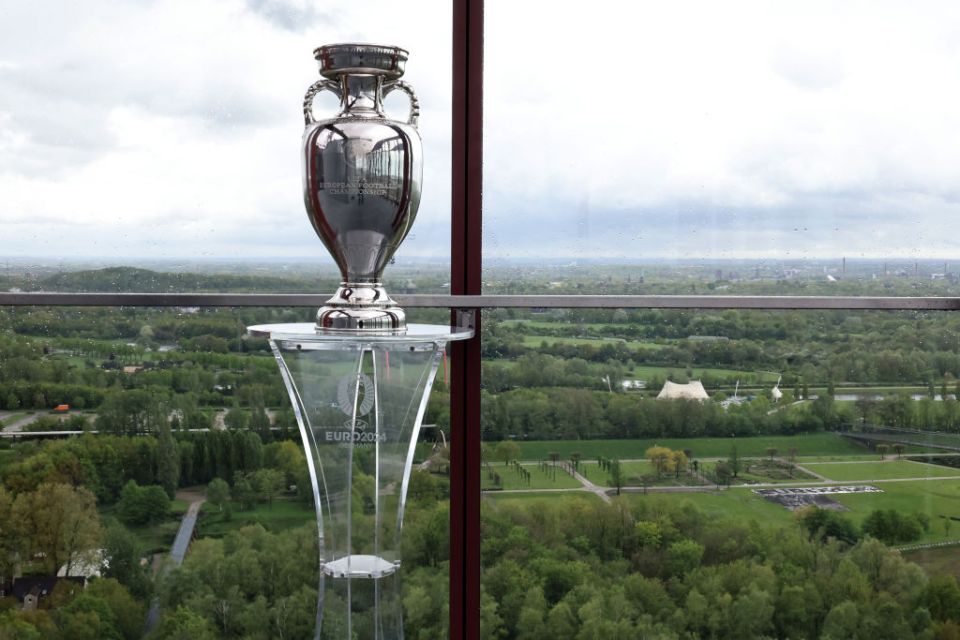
point(890, 303)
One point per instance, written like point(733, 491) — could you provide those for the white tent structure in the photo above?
point(693, 390)
point(775, 393)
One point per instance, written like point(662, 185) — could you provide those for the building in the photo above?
point(30, 590)
point(692, 390)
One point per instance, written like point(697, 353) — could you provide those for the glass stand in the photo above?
point(359, 401)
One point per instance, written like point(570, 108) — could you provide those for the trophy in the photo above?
point(360, 378)
point(361, 180)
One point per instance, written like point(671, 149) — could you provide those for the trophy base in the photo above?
point(361, 308)
point(359, 566)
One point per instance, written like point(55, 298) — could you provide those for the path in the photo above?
point(178, 550)
point(18, 426)
point(800, 467)
point(587, 485)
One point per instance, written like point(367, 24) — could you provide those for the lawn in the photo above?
point(935, 499)
point(495, 498)
point(536, 340)
point(539, 479)
point(741, 504)
point(286, 513)
point(938, 561)
point(816, 444)
point(764, 471)
point(876, 470)
point(633, 472)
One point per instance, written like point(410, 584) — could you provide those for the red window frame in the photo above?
point(465, 252)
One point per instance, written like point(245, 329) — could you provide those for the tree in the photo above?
point(287, 457)
point(126, 612)
point(660, 458)
point(168, 461)
point(236, 419)
point(142, 505)
point(184, 624)
point(244, 491)
point(121, 560)
point(941, 597)
point(882, 450)
point(59, 522)
point(733, 462)
point(722, 473)
point(217, 492)
point(822, 524)
point(616, 475)
point(683, 556)
point(899, 448)
point(507, 450)
point(8, 537)
point(771, 452)
point(892, 527)
point(268, 483)
point(678, 460)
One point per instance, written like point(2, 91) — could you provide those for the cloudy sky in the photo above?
point(171, 128)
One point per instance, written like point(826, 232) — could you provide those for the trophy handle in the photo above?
point(414, 102)
point(314, 89)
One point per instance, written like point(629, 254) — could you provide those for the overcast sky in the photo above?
point(171, 128)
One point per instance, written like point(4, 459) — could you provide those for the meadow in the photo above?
point(813, 444)
point(875, 470)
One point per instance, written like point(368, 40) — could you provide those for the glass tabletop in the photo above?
point(308, 332)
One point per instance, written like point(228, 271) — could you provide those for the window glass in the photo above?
point(134, 133)
point(723, 474)
point(740, 143)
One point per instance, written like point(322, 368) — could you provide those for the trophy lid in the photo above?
point(375, 59)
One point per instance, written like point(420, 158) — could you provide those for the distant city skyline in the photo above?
point(169, 129)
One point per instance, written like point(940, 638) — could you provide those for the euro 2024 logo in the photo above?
point(355, 392)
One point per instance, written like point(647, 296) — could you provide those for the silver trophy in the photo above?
point(362, 173)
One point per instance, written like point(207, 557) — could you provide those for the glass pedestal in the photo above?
point(359, 401)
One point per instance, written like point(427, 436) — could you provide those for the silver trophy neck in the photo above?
point(337, 60)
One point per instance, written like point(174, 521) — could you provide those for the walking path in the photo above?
point(800, 467)
point(589, 486)
point(181, 543)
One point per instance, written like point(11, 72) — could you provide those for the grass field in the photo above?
point(510, 479)
point(536, 341)
point(888, 470)
point(494, 498)
point(940, 561)
point(741, 504)
point(816, 444)
point(934, 498)
point(286, 513)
